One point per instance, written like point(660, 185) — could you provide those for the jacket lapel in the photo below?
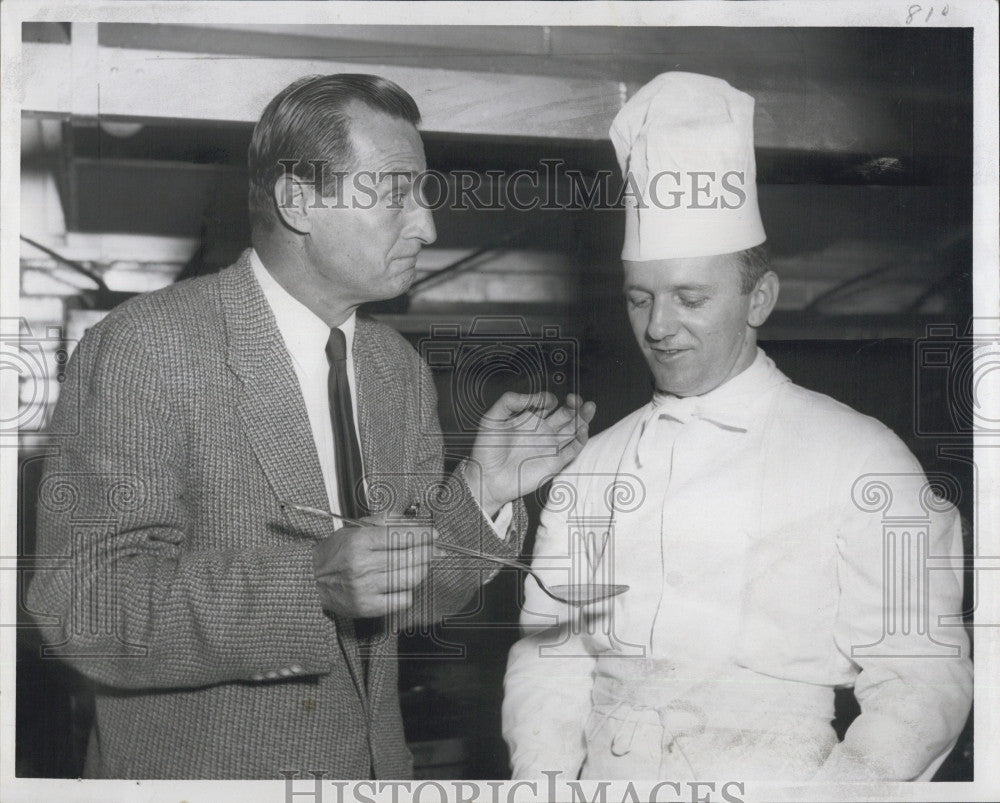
point(379, 406)
point(380, 411)
point(270, 402)
point(274, 417)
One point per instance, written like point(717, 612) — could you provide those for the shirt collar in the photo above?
point(732, 405)
point(304, 332)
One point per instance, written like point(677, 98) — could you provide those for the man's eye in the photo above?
point(693, 302)
point(638, 301)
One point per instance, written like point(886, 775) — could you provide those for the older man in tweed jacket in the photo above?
point(220, 627)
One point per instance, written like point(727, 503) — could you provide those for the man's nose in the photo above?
point(422, 224)
point(663, 321)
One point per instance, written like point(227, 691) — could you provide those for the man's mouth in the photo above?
point(666, 355)
point(406, 264)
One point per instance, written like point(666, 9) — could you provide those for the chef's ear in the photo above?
point(763, 297)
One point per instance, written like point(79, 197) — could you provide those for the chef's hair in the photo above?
point(753, 263)
point(307, 122)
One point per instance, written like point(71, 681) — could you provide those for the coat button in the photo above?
point(296, 669)
point(272, 675)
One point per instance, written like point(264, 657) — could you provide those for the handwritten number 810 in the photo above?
point(914, 10)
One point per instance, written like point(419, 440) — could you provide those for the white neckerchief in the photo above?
point(730, 406)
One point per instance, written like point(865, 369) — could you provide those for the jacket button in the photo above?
point(272, 675)
point(296, 669)
point(285, 672)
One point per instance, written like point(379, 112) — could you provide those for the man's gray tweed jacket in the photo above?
point(187, 592)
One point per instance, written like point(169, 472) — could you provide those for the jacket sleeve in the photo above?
point(899, 622)
point(126, 602)
point(547, 687)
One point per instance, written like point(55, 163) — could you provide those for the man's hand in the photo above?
point(361, 573)
point(524, 440)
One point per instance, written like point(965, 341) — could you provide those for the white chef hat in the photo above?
point(685, 147)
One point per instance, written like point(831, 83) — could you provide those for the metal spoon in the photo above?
point(575, 594)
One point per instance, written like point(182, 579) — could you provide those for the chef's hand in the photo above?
point(524, 440)
point(361, 572)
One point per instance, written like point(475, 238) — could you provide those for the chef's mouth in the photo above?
point(666, 353)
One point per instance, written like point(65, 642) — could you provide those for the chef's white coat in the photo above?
point(774, 542)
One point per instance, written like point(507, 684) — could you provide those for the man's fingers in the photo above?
point(399, 601)
point(394, 536)
point(574, 440)
point(401, 577)
point(578, 407)
point(378, 605)
point(586, 415)
point(358, 561)
point(571, 420)
point(394, 571)
point(511, 404)
point(571, 448)
point(515, 412)
point(564, 416)
point(372, 571)
point(398, 563)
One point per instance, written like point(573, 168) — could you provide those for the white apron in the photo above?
point(686, 724)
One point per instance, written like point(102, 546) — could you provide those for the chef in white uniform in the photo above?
point(777, 544)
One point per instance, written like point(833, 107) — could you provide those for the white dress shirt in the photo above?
point(305, 335)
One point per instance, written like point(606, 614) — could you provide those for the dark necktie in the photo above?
point(350, 489)
point(348, 453)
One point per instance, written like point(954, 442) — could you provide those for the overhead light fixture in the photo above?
point(120, 130)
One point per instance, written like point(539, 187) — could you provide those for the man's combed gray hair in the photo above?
point(307, 122)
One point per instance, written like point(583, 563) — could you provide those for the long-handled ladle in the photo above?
point(575, 594)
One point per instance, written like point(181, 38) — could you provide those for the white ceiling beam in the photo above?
point(169, 85)
point(144, 84)
point(83, 65)
point(522, 39)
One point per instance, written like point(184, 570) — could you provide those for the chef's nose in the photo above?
point(663, 320)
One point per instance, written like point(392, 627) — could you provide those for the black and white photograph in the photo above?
point(498, 402)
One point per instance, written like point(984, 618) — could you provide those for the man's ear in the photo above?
point(763, 298)
point(292, 198)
